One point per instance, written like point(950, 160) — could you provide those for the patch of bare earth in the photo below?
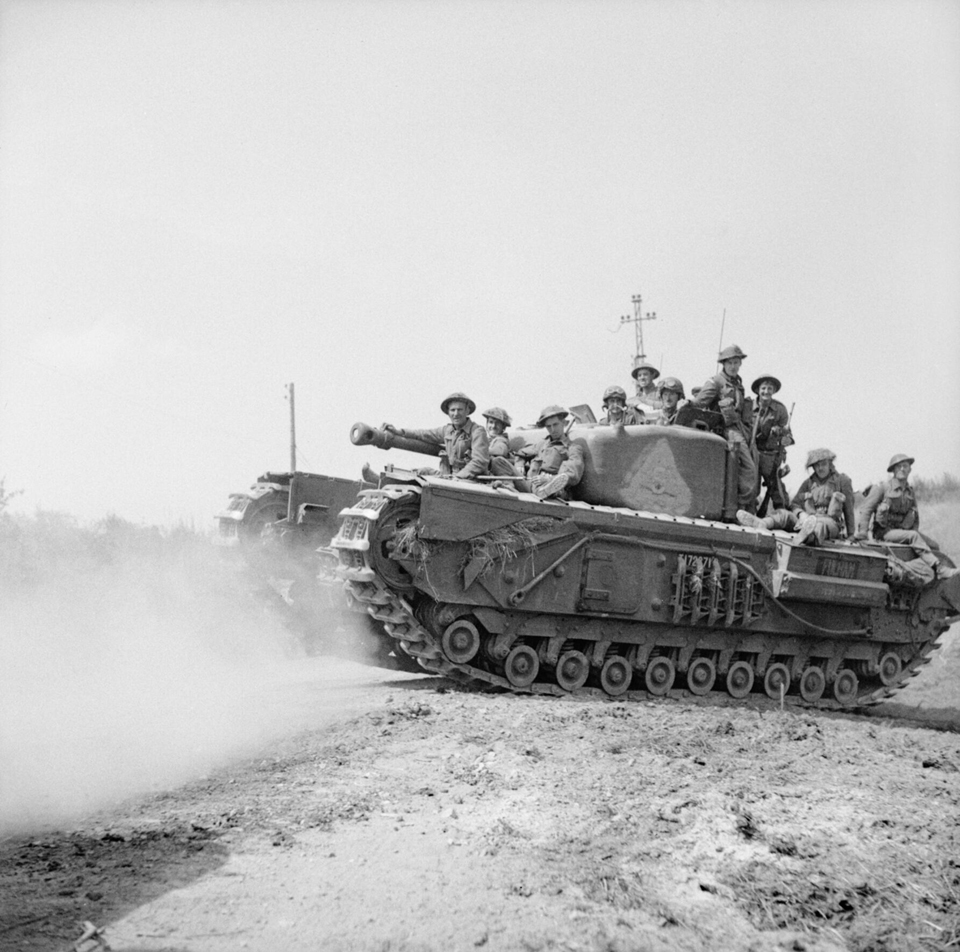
point(446, 820)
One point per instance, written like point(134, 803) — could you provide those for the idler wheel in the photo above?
point(812, 684)
point(521, 666)
point(776, 681)
point(890, 668)
point(394, 520)
point(615, 675)
point(701, 675)
point(846, 686)
point(572, 670)
point(659, 676)
point(740, 679)
point(461, 641)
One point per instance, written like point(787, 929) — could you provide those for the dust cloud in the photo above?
point(127, 672)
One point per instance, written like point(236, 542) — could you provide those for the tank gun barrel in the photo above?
point(362, 434)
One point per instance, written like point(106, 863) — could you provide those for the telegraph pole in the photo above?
point(293, 430)
point(638, 318)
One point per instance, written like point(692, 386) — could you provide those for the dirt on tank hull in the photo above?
point(636, 588)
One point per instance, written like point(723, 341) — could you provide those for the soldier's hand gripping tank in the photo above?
point(615, 403)
point(465, 449)
point(724, 392)
point(771, 437)
point(892, 505)
point(555, 462)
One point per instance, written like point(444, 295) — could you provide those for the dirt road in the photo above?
point(402, 813)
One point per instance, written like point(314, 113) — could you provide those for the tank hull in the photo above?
point(559, 598)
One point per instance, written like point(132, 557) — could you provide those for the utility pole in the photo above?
point(638, 318)
point(293, 429)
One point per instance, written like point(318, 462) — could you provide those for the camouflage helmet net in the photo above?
point(817, 456)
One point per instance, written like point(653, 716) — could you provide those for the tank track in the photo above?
point(397, 616)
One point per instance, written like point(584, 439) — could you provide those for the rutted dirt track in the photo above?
point(425, 817)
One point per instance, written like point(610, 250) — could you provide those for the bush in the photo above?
point(944, 489)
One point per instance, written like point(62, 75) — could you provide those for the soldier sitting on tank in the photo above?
point(771, 437)
point(501, 457)
point(671, 393)
point(648, 396)
point(618, 413)
point(724, 393)
point(896, 519)
point(465, 451)
point(822, 508)
point(555, 463)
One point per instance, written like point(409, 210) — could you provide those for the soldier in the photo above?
point(724, 393)
point(771, 437)
point(465, 449)
point(822, 509)
point(555, 462)
point(647, 397)
point(615, 403)
point(671, 393)
point(896, 519)
point(501, 457)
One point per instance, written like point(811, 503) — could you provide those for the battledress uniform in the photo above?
point(772, 429)
point(816, 497)
point(466, 449)
point(556, 458)
point(896, 519)
point(737, 412)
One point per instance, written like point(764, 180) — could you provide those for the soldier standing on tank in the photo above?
point(896, 519)
point(556, 463)
point(771, 437)
point(822, 508)
point(615, 403)
point(671, 393)
point(465, 452)
point(648, 396)
point(724, 393)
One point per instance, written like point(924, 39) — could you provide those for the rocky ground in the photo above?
point(414, 815)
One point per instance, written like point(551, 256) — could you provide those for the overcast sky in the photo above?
point(383, 202)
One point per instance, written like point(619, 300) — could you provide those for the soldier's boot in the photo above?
point(807, 531)
point(750, 520)
point(552, 486)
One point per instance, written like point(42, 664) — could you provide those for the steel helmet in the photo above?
point(550, 411)
point(899, 458)
point(672, 384)
point(471, 406)
point(498, 413)
point(732, 351)
point(643, 365)
point(755, 386)
point(815, 456)
point(614, 391)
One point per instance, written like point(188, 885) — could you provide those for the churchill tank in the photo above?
point(640, 585)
